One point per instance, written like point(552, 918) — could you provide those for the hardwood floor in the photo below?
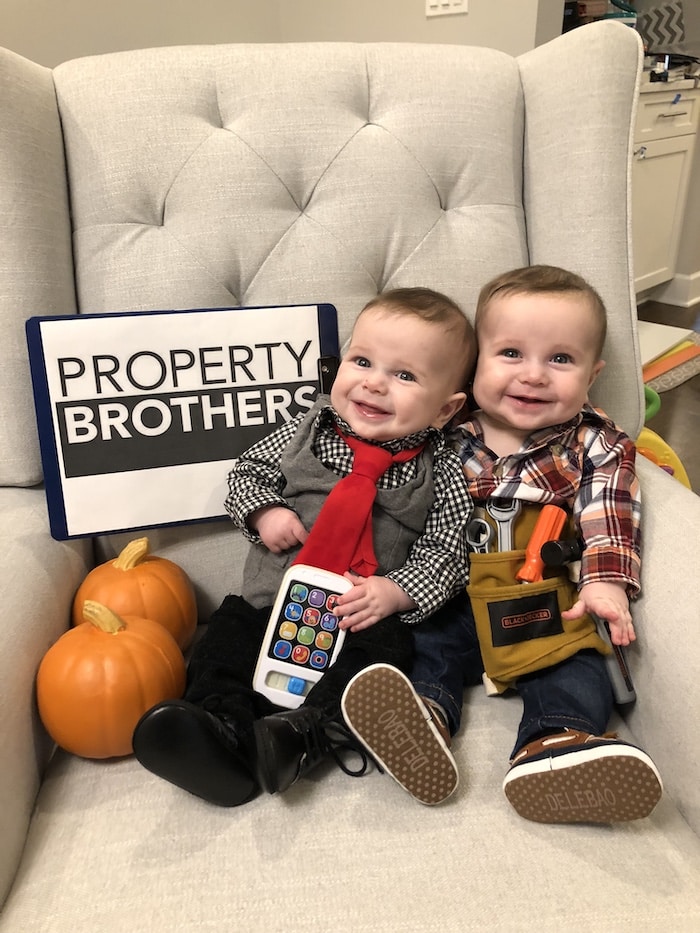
point(678, 421)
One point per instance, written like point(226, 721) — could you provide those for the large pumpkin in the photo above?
point(99, 678)
point(141, 584)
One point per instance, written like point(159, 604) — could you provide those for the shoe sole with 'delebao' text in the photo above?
point(604, 784)
point(382, 709)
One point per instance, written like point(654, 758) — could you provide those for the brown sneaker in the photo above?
point(383, 710)
point(575, 777)
point(438, 718)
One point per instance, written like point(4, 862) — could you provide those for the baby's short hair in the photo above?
point(543, 280)
point(434, 308)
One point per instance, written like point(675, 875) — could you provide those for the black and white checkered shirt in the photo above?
point(436, 567)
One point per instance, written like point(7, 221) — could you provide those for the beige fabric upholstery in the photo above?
point(253, 175)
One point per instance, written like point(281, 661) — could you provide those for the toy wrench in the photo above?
point(479, 534)
point(504, 512)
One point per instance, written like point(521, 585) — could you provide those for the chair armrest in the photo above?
point(665, 661)
point(38, 577)
point(36, 264)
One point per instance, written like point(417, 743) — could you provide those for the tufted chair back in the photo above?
point(227, 176)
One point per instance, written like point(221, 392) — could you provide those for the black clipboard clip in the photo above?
point(327, 371)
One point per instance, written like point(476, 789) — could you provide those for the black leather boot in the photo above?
point(198, 751)
point(291, 743)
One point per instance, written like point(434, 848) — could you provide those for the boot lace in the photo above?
point(325, 735)
point(343, 745)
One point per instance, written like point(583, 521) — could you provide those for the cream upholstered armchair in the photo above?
point(256, 175)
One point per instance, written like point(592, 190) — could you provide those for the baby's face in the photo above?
point(537, 360)
point(395, 378)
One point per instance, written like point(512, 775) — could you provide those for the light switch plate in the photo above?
point(446, 7)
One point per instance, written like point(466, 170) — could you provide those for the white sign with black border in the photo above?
point(141, 414)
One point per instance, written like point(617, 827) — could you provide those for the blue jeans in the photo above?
point(575, 693)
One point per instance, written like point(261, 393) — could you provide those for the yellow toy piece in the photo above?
point(655, 448)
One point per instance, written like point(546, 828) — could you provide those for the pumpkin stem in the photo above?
point(133, 554)
point(102, 617)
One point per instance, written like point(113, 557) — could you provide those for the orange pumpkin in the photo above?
point(140, 584)
point(99, 678)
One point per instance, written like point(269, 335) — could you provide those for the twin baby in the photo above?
point(423, 618)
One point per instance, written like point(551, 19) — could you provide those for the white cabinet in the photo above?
point(664, 140)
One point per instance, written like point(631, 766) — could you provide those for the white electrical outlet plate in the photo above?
point(446, 7)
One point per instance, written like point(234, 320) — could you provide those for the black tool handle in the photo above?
point(558, 553)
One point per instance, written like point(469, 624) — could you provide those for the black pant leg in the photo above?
point(220, 671)
point(390, 641)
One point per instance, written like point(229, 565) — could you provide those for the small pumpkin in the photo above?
point(141, 584)
point(99, 678)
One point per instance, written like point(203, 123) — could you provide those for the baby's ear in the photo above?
point(467, 407)
point(453, 405)
point(595, 372)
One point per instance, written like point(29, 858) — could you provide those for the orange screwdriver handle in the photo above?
point(548, 527)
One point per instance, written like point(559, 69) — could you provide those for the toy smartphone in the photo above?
point(302, 638)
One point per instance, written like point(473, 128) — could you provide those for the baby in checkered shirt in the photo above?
point(399, 383)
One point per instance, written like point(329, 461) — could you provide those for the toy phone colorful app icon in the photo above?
point(311, 616)
point(281, 650)
point(300, 654)
point(324, 641)
point(293, 612)
point(317, 597)
point(298, 592)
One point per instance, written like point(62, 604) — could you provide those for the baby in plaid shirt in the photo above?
point(534, 439)
point(399, 383)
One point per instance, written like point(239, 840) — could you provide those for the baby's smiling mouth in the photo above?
point(529, 401)
point(369, 410)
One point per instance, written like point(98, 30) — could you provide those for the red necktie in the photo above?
point(341, 537)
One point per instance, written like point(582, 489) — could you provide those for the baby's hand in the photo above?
point(370, 599)
point(609, 601)
point(279, 528)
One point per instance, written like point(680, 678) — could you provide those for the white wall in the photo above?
point(51, 31)
point(514, 26)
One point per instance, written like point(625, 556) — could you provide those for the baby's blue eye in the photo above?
point(510, 353)
point(405, 375)
point(561, 358)
point(361, 361)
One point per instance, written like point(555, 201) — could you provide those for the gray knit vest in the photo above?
point(398, 517)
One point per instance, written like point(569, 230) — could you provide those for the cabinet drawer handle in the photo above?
point(641, 153)
point(670, 116)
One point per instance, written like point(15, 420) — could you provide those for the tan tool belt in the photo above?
point(519, 625)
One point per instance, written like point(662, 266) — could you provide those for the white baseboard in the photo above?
point(682, 291)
